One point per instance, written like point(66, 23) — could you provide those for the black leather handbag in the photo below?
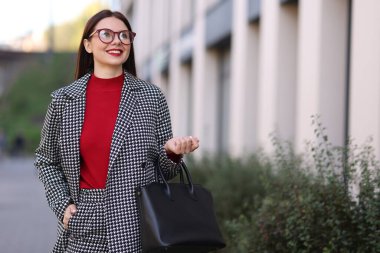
point(177, 217)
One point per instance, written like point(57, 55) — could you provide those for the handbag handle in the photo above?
point(190, 184)
point(188, 176)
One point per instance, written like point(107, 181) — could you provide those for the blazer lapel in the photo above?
point(73, 122)
point(127, 107)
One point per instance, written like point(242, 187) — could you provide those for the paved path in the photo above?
point(26, 222)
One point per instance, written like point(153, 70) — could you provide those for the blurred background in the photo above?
point(233, 71)
point(235, 74)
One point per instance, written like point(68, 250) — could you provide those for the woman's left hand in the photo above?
point(181, 145)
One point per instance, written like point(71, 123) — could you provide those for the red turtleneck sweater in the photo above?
point(102, 105)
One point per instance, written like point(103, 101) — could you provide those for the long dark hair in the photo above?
point(85, 61)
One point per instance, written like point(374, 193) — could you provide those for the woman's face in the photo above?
point(108, 56)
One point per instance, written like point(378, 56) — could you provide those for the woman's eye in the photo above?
point(124, 36)
point(106, 34)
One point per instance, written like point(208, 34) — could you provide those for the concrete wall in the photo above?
point(269, 74)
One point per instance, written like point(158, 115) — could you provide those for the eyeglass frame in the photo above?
point(114, 33)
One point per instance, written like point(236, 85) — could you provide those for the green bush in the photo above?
point(326, 200)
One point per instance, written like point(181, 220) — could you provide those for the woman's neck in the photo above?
point(108, 73)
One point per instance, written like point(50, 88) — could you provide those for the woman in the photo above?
point(103, 136)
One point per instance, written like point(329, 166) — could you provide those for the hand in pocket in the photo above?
point(69, 212)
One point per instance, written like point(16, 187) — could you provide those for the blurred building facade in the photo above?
point(235, 71)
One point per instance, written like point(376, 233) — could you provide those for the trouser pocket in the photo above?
point(89, 221)
point(87, 230)
point(80, 222)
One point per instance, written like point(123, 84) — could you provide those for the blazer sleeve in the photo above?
point(164, 133)
point(48, 164)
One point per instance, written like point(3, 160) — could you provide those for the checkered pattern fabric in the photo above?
point(142, 128)
point(87, 230)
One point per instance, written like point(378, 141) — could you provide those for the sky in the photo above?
point(21, 17)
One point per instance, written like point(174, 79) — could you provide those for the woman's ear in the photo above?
point(87, 46)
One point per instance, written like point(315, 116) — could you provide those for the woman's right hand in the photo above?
point(69, 212)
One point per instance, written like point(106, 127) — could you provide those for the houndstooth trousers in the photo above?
point(142, 128)
point(87, 231)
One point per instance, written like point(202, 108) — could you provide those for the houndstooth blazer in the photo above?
point(142, 128)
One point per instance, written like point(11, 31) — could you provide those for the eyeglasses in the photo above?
point(107, 36)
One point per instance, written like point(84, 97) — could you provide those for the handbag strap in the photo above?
point(158, 172)
point(188, 176)
point(190, 184)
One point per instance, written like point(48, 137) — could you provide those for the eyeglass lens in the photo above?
point(107, 36)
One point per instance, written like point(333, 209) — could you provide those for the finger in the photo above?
point(194, 143)
point(189, 145)
point(186, 145)
point(179, 145)
point(65, 222)
point(183, 145)
point(65, 217)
